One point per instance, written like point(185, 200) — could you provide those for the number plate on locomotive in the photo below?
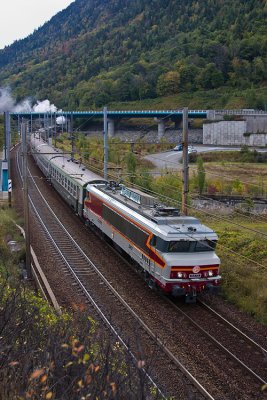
point(194, 275)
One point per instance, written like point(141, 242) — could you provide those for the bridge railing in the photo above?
point(242, 111)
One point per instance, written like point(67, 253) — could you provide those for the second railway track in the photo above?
point(221, 377)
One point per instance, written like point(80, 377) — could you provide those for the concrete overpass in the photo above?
point(160, 116)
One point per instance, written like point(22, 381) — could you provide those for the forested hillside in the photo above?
point(99, 51)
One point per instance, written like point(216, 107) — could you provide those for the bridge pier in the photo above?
point(177, 124)
point(161, 127)
point(111, 128)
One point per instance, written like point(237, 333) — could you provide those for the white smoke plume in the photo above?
point(7, 103)
point(44, 106)
point(61, 120)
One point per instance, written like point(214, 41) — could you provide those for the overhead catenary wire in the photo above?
point(165, 171)
point(245, 258)
point(236, 210)
point(191, 167)
point(209, 214)
point(227, 248)
point(250, 229)
point(207, 172)
point(189, 206)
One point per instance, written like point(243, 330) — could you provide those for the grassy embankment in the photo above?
point(45, 355)
point(243, 252)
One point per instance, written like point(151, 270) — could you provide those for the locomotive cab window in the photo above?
point(162, 245)
point(153, 241)
point(178, 246)
point(186, 246)
point(205, 245)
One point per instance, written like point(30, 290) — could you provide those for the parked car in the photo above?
point(191, 149)
point(179, 147)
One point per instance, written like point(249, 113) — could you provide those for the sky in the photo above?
point(19, 18)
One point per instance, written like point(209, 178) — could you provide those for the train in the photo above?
point(175, 253)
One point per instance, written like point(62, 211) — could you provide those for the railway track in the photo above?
point(155, 322)
point(250, 356)
point(94, 287)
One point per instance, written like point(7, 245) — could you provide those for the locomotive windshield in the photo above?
point(191, 246)
point(183, 246)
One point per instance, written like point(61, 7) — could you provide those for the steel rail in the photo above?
point(191, 378)
point(104, 318)
point(210, 309)
point(218, 344)
point(87, 294)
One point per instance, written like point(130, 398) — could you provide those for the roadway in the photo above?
point(172, 159)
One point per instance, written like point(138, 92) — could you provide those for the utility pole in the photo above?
point(185, 161)
point(55, 130)
point(31, 123)
point(71, 136)
point(6, 137)
point(7, 154)
point(26, 199)
point(105, 143)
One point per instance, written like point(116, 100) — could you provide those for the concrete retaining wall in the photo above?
point(195, 136)
point(234, 133)
point(256, 123)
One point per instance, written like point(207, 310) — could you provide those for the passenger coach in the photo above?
point(68, 176)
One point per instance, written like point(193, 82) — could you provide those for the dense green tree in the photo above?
point(210, 77)
point(95, 52)
point(168, 83)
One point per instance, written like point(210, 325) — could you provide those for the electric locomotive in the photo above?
point(175, 253)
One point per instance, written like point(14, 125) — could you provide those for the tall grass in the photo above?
point(8, 232)
point(243, 255)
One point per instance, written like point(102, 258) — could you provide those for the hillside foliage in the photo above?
point(97, 51)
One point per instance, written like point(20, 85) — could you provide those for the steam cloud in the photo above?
point(7, 103)
point(61, 120)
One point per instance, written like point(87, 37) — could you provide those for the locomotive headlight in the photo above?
point(179, 274)
point(210, 273)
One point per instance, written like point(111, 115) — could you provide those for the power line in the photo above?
point(209, 214)
point(195, 168)
point(224, 219)
point(219, 244)
point(208, 172)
